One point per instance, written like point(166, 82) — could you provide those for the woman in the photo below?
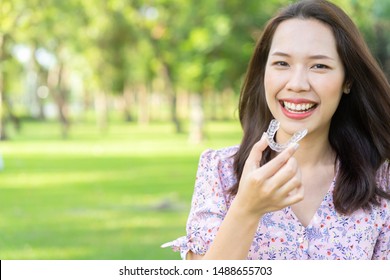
point(324, 198)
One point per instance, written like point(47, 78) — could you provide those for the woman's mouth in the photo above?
point(298, 108)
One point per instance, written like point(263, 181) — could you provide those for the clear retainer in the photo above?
point(272, 128)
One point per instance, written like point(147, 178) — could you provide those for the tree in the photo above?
point(11, 18)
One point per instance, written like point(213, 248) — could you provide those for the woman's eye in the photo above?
point(281, 63)
point(320, 66)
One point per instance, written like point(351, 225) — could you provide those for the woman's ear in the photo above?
point(347, 87)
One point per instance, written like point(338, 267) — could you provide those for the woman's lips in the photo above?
point(298, 109)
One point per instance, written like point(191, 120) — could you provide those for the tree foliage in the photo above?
point(142, 57)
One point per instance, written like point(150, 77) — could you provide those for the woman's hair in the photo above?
point(360, 128)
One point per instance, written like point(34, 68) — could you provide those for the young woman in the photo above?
point(327, 197)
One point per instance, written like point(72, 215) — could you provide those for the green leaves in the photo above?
point(113, 43)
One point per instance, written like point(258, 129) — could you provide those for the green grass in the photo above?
point(98, 196)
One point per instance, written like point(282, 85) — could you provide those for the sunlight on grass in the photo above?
point(44, 253)
point(118, 195)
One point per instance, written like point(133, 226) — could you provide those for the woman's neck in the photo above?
point(315, 150)
point(315, 153)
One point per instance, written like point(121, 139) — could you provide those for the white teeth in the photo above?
point(298, 107)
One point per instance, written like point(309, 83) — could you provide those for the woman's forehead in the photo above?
point(307, 37)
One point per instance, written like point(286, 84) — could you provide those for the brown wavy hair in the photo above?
point(360, 128)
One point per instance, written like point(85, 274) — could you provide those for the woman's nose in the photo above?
point(298, 80)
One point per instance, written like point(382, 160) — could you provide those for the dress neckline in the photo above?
point(328, 197)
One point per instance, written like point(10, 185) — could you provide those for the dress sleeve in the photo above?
point(382, 247)
point(209, 205)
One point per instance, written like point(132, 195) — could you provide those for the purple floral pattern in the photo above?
point(280, 235)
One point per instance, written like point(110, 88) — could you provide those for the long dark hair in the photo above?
point(360, 128)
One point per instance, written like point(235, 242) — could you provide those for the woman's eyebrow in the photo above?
point(320, 56)
point(280, 54)
point(316, 56)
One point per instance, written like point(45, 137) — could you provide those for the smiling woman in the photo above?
point(327, 197)
point(304, 77)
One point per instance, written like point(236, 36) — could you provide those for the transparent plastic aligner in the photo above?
point(273, 128)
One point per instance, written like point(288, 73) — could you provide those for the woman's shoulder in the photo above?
point(226, 153)
point(219, 164)
point(383, 176)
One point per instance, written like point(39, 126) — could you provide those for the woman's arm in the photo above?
point(271, 187)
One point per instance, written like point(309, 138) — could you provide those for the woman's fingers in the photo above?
point(256, 154)
point(274, 185)
point(279, 161)
point(295, 196)
point(274, 165)
point(290, 185)
point(287, 172)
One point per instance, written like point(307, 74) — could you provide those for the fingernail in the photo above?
point(295, 146)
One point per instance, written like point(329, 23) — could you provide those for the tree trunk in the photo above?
point(166, 74)
point(101, 110)
point(183, 105)
point(3, 56)
point(143, 105)
point(3, 134)
point(63, 113)
point(196, 135)
point(174, 117)
point(127, 101)
point(56, 83)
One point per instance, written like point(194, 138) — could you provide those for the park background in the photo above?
point(105, 107)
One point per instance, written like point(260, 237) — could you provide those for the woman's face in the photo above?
point(304, 77)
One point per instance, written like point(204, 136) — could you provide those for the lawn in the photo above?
point(117, 195)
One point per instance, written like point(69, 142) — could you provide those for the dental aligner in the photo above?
point(273, 127)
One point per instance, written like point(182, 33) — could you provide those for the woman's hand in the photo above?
point(272, 186)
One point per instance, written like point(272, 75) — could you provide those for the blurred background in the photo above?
point(105, 107)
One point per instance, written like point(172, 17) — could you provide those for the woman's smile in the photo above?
point(297, 109)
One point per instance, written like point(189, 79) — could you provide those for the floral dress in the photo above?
point(280, 235)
